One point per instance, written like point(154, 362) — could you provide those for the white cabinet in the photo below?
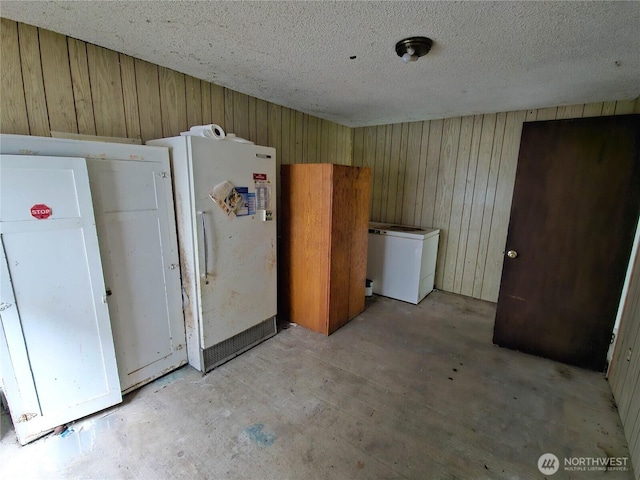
point(131, 198)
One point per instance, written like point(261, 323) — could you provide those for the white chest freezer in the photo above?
point(401, 260)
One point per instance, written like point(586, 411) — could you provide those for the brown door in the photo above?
point(573, 218)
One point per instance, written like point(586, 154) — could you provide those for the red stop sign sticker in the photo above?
point(40, 211)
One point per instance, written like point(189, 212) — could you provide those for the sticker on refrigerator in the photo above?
point(263, 191)
point(243, 206)
point(227, 198)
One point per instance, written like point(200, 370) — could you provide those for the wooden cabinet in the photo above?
point(323, 258)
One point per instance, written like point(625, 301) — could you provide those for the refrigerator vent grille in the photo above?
point(227, 349)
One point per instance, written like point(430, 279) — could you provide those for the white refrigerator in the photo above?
point(226, 219)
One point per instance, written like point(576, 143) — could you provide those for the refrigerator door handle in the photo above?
point(205, 245)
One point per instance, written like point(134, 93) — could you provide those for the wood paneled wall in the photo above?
point(50, 82)
point(457, 175)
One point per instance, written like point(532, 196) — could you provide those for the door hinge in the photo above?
point(4, 306)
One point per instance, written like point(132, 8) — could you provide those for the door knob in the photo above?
point(512, 254)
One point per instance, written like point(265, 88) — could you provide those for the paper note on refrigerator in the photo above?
point(227, 198)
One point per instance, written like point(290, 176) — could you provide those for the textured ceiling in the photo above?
point(487, 57)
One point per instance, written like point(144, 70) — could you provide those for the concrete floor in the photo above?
point(402, 391)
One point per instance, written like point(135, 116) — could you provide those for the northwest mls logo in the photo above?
point(548, 464)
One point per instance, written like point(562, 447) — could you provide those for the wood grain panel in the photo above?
point(57, 83)
point(173, 103)
point(444, 191)
point(217, 106)
point(205, 95)
point(106, 92)
point(394, 173)
point(228, 110)
point(431, 173)
point(193, 91)
point(253, 128)
point(410, 180)
point(285, 150)
point(79, 66)
point(130, 96)
point(300, 124)
point(14, 110)
point(32, 80)
point(402, 173)
point(262, 122)
point(467, 205)
point(241, 114)
point(148, 89)
point(457, 204)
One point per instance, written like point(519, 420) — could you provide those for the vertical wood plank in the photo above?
point(34, 95)
point(253, 132)
point(193, 95)
point(312, 140)
point(624, 107)
point(394, 173)
point(81, 86)
point(593, 109)
point(106, 91)
point(332, 142)
point(292, 136)
point(217, 106)
point(172, 102)
point(570, 111)
point(299, 121)
point(444, 191)
point(358, 146)
point(229, 111)
point(148, 89)
point(129, 96)
point(547, 113)
point(262, 121)
point(532, 115)
point(487, 215)
point(57, 83)
point(468, 203)
point(275, 130)
point(608, 108)
point(422, 171)
point(369, 158)
point(457, 203)
point(386, 175)
point(13, 118)
point(241, 114)
point(286, 133)
point(487, 138)
point(502, 205)
point(205, 95)
point(402, 168)
point(414, 143)
point(378, 173)
point(431, 173)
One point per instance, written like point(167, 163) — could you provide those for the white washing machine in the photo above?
point(401, 260)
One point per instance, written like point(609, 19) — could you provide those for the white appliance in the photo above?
point(401, 260)
point(228, 262)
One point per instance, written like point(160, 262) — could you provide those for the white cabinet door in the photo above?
point(134, 212)
point(58, 357)
point(135, 217)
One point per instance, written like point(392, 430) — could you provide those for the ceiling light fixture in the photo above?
point(412, 48)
